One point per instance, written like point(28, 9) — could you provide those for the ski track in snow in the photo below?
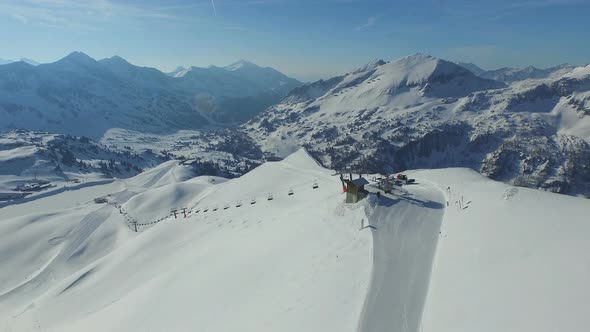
point(38, 284)
point(405, 234)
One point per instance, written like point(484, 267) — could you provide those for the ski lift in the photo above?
point(253, 201)
point(290, 193)
point(239, 203)
point(270, 197)
point(226, 206)
point(315, 185)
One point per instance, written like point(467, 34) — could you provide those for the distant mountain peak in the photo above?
point(477, 70)
point(371, 65)
point(241, 64)
point(25, 60)
point(118, 58)
point(30, 61)
point(420, 56)
point(176, 71)
point(421, 68)
point(78, 57)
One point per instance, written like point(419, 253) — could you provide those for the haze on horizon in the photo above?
point(305, 39)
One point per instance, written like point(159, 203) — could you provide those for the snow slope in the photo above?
point(64, 162)
point(289, 264)
point(508, 259)
point(405, 230)
point(482, 256)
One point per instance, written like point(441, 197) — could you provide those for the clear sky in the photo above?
point(306, 39)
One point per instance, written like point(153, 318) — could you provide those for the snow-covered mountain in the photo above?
point(237, 92)
point(79, 95)
point(520, 74)
point(64, 162)
point(507, 74)
point(177, 71)
point(37, 164)
point(423, 112)
point(472, 68)
point(240, 79)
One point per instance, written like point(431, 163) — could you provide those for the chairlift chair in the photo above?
point(215, 208)
point(253, 201)
point(290, 193)
point(239, 203)
point(315, 185)
point(270, 197)
point(226, 206)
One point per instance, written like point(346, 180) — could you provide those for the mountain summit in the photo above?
point(241, 64)
point(381, 83)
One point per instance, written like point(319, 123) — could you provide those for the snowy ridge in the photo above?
point(510, 75)
point(312, 229)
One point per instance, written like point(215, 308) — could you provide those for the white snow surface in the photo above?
point(291, 264)
point(506, 258)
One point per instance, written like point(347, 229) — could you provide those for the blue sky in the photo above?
point(306, 39)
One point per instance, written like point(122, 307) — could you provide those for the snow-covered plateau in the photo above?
point(277, 249)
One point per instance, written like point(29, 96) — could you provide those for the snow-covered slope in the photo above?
point(454, 252)
point(37, 164)
point(472, 68)
point(420, 111)
point(297, 262)
point(508, 259)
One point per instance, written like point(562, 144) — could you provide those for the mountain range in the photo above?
point(79, 95)
point(424, 112)
point(528, 127)
point(507, 74)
